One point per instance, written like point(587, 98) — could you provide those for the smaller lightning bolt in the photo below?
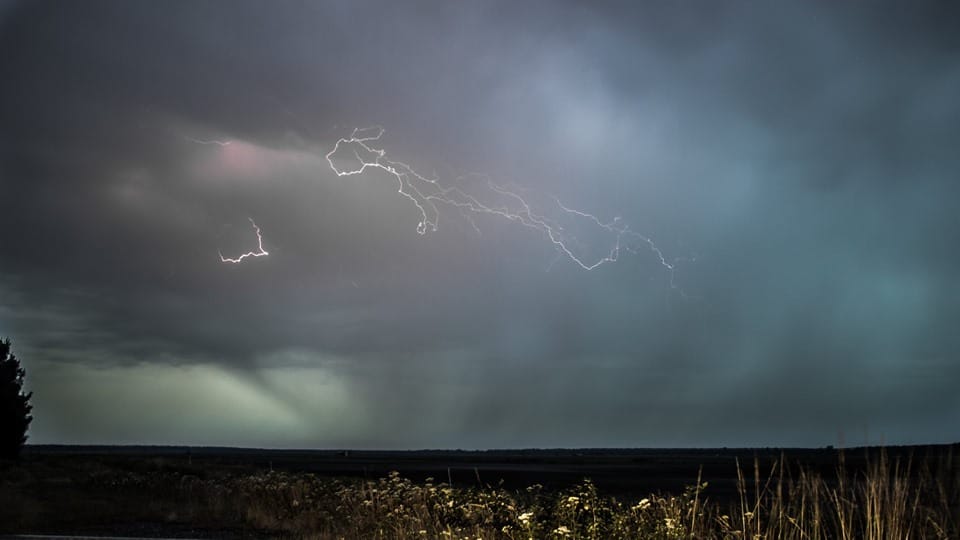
point(209, 141)
point(259, 253)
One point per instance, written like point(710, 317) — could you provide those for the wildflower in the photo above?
point(642, 505)
point(525, 517)
point(562, 530)
point(573, 500)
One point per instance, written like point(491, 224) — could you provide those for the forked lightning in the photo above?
point(259, 253)
point(426, 193)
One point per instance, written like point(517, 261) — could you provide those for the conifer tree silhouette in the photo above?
point(14, 404)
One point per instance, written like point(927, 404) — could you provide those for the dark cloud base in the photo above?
point(802, 155)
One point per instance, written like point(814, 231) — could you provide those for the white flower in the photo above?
point(525, 517)
point(562, 530)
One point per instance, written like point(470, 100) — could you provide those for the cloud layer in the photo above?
point(799, 160)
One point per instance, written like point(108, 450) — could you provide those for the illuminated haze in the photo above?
point(799, 158)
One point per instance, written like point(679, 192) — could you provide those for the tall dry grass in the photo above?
point(889, 500)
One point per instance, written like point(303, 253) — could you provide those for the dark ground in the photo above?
point(55, 480)
point(615, 471)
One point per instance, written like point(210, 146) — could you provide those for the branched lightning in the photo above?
point(427, 193)
point(259, 253)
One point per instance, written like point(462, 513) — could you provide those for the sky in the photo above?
point(781, 180)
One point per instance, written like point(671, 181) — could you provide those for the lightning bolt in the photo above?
point(426, 193)
point(259, 253)
point(208, 141)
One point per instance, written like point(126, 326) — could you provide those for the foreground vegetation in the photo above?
point(891, 499)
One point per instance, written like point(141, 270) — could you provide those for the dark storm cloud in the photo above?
point(801, 154)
